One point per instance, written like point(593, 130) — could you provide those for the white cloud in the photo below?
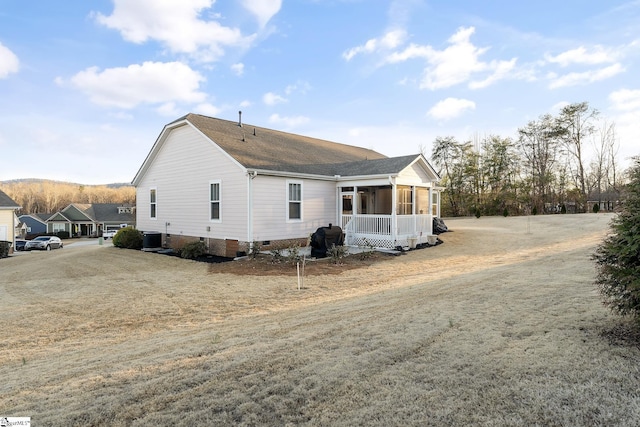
point(455, 64)
point(9, 62)
point(168, 109)
point(288, 122)
point(207, 109)
point(502, 69)
point(246, 103)
point(390, 40)
point(580, 55)
point(271, 98)
point(238, 69)
point(177, 26)
point(585, 77)
point(263, 10)
point(625, 104)
point(298, 87)
point(450, 108)
point(625, 99)
point(150, 83)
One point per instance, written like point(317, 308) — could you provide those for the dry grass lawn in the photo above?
point(499, 326)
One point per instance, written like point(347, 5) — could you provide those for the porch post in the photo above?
point(414, 202)
point(394, 210)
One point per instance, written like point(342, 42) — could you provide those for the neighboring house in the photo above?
point(20, 231)
point(91, 219)
point(7, 218)
point(230, 184)
point(36, 223)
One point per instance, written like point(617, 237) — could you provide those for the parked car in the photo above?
point(44, 243)
point(19, 244)
point(108, 234)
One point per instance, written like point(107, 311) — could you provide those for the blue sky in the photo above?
point(87, 86)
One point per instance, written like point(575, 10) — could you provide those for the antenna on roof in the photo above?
point(240, 118)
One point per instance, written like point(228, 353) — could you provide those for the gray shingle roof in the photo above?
point(6, 201)
point(385, 166)
point(108, 212)
point(256, 147)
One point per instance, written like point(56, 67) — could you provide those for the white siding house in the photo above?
point(7, 219)
point(230, 184)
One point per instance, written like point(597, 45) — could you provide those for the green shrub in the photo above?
point(193, 250)
point(368, 250)
point(62, 234)
point(535, 210)
point(128, 238)
point(563, 209)
point(477, 212)
point(618, 256)
point(505, 212)
point(337, 253)
point(596, 208)
point(255, 249)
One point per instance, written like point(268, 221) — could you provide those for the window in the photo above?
point(404, 202)
point(422, 200)
point(152, 203)
point(294, 201)
point(56, 227)
point(214, 200)
point(435, 201)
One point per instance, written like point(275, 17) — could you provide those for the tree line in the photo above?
point(43, 196)
point(545, 169)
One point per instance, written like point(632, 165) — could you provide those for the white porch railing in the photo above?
point(386, 231)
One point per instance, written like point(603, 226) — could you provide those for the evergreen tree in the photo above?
point(618, 257)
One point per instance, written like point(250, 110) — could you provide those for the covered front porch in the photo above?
point(388, 215)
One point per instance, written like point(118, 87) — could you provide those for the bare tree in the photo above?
point(576, 124)
point(539, 146)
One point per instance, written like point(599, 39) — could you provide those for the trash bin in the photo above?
point(4, 248)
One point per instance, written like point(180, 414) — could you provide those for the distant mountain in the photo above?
point(39, 180)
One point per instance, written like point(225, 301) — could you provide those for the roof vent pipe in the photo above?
point(240, 118)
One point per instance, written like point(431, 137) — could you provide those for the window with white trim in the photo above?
point(404, 196)
point(215, 204)
point(57, 227)
point(294, 201)
point(153, 203)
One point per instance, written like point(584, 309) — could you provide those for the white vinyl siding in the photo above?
point(215, 201)
point(181, 170)
point(294, 200)
point(6, 225)
point(270, 208)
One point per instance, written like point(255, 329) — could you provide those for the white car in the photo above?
point(108, 234)
point(43, 243)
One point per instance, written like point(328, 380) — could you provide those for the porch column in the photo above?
point(414, 207)
point(355, 203)
point(430, 205)
point(394, 210)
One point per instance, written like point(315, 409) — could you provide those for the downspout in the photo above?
point(338, 219)
point(430, 207)
point(250, 176)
